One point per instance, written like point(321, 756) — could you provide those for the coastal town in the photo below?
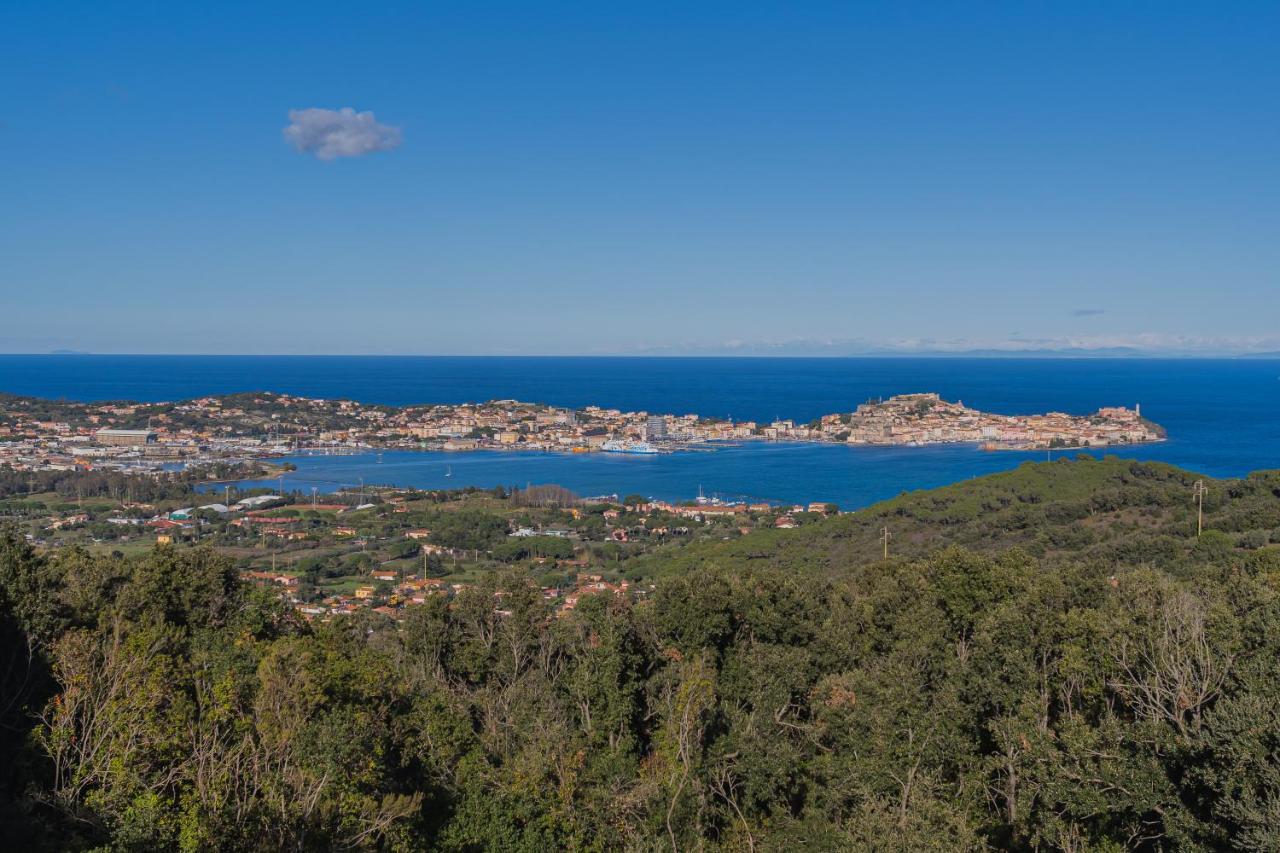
point(123, 476)
point(58, 435)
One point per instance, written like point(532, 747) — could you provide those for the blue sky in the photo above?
point(639, 178)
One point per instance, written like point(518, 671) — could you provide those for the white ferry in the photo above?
point(615, 446)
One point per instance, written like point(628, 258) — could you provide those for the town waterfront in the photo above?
point(1222, 416)
point(790, 472)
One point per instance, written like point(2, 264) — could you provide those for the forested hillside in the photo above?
point(1051, 659)
point(1085, 509)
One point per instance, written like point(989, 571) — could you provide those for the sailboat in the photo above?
point(448, 471)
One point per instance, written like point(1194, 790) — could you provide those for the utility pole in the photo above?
point(1197, 491)
point(313, 496)
point(885, 536)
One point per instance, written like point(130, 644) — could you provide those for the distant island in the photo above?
point(38, 434)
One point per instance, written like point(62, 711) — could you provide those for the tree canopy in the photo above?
point(775, 692)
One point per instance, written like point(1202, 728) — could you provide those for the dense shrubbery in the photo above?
point(468, 529)
point(1082, 510)
point(952, 701)
point(550, 547)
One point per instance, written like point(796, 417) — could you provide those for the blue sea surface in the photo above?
point(1223, 415)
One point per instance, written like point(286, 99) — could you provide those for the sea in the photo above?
point(1222, 415)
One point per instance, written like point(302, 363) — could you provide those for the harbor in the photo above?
point(784, 472)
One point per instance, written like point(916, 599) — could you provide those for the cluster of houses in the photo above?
point(180, 524)
point(211, 428)
point(919, 419)
point(510, 424)
point(907, 419)
point(391, 594)
point(390, 590)
point(61, 445)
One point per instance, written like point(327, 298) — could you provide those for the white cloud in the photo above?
point(329, 134)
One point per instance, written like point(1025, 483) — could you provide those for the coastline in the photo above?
point(263, 424)
point(1218, 415)
point(786, 472)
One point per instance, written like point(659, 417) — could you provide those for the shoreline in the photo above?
point(785, 472)
point(349, 450)
point(46, 434)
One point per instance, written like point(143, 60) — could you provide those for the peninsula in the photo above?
point(38, 434)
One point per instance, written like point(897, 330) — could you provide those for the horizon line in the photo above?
point(976, 354)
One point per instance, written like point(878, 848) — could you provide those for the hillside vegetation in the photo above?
point(1100, 511)
point(1050, 660)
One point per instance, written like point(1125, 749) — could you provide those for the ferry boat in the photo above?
point(615, 446)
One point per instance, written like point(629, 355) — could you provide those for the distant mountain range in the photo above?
point(1073, 352)
point(853, 350)
point(1068, 352)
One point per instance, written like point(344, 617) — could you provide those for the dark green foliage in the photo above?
point(468, 529)
point(550, 547)
point(1040, 688)
point(1110, 511)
